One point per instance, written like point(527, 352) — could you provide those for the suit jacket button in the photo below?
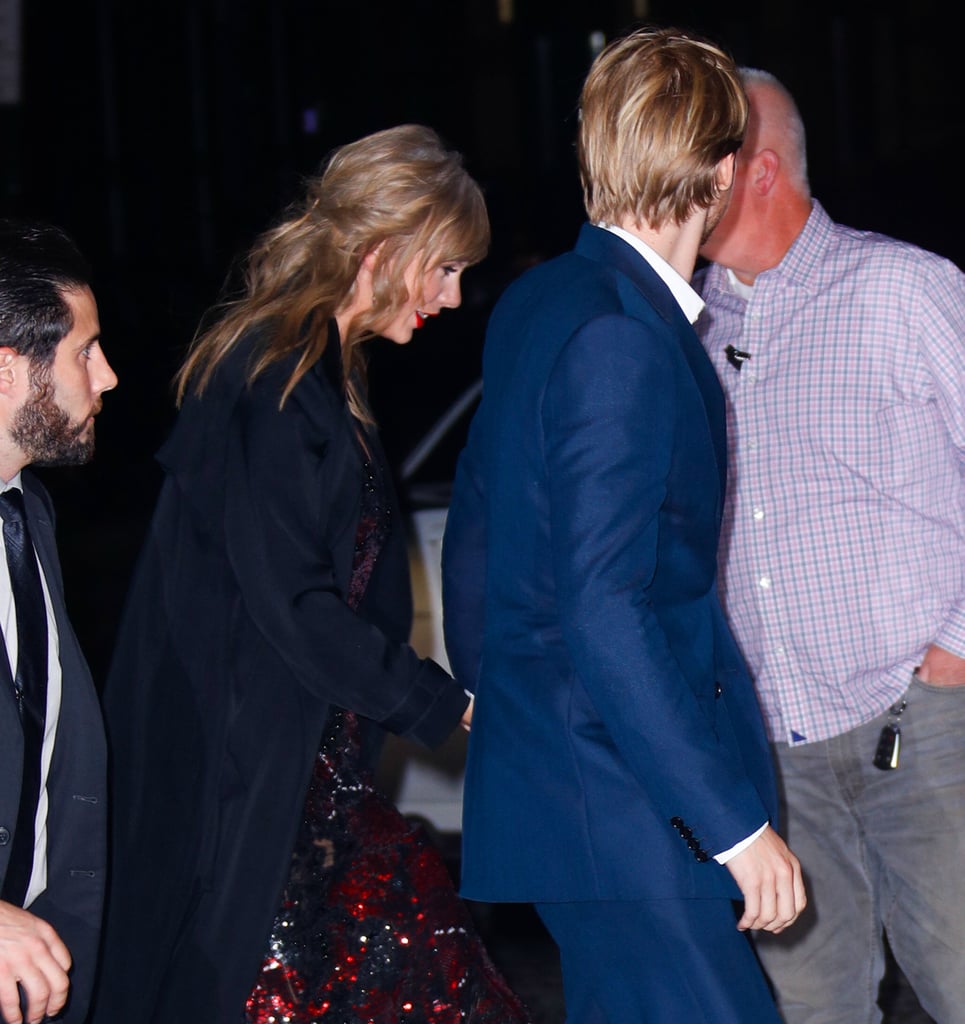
point(693, 844)
point(4, 836)
point(701, 856)
point(678, 823)
point(686, 833)
point(718, 690)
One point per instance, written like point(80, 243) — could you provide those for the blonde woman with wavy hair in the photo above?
point(258, 875)
point(392, 204)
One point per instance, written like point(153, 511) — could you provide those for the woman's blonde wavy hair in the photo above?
point(398, 193)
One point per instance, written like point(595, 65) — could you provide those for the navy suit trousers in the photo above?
point(657, 962)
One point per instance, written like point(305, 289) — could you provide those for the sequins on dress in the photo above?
point(370, 928)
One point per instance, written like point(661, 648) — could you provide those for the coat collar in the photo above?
point(604, 246)
point(330, 363)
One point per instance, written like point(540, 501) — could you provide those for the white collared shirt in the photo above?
point(8, 623)
point(688, 300)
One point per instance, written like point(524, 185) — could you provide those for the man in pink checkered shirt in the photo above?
point(842, 355)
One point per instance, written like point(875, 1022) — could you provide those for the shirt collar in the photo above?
point(801, 265)
point(688, 300)
point(804, 261)
point(745, 291)
point(13, 482)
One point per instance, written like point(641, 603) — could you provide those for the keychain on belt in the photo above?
point(889, 742)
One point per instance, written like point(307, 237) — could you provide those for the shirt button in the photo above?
point(751, 444)
point(4, 836)
point(758, 513)
point(764, 583)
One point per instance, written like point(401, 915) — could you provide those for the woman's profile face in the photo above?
point(430, 292)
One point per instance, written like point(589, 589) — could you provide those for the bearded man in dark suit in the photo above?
point(53, 839)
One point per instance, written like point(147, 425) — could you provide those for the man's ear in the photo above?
point(724, 173)
point(8, 369)
point(763, 171)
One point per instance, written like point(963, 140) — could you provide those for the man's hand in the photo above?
point(32, 954)
point(941, 668)
point(769, 877)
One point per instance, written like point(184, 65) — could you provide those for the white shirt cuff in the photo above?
point(723, 858)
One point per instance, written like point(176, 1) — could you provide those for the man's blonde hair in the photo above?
point(659, 110)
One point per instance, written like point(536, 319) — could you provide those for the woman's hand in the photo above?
point(467, 714)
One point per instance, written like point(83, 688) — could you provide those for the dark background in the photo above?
point(165, 136)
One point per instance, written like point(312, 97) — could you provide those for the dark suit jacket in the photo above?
point(77, 783)
point(613, 711)
point(235, 641)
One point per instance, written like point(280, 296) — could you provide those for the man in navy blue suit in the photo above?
point(53, 758)
point(618, 773)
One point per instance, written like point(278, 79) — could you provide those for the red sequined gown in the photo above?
point(370, 928)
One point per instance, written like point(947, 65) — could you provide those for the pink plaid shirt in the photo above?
point(843, 548)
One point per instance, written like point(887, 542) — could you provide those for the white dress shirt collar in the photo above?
point(688, 300)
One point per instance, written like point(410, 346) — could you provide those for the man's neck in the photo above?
point(777, 230)
point(676, 243)
point(11, 459)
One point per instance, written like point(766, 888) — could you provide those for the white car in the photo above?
point(424, 784)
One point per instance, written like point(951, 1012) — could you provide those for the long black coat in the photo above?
point(236, 639)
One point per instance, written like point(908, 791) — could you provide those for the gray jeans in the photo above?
point(880, 850)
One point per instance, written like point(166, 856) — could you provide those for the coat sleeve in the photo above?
point(464, 565)
point(281, 489)
point(609, 416)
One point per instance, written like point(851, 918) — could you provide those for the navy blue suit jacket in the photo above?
point(77, 783)
point(613, 711)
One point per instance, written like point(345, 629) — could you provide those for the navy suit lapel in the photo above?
point(606, 247)
point(71, 660)
point(73, 665)
point(6, 679)
point(42, 535)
